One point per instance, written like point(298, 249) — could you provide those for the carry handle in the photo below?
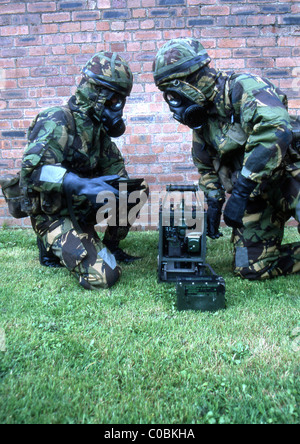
point(178, 187)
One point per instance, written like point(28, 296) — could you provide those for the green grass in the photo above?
point(126, 355)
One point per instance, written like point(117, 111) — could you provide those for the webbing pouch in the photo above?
point(13, 195)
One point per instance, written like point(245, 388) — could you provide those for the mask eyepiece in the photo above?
point(173, 98)
point(184, 109)
point(116, 102)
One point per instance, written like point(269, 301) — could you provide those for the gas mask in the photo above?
point(109, 111)
point(187, 103)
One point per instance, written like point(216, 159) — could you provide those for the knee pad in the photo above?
point(96, 281)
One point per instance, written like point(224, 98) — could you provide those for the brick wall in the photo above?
point(44, 43)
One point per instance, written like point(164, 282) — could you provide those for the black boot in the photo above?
point(47, 258)
point(119, 254)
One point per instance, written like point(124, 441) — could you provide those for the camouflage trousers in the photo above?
point(81, 251)
point(83, 254)
point(259, 253)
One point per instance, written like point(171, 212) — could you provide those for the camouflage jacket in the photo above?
point(248, 131)
point(65, 136)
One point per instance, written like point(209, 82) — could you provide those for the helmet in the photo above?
point(109, 70)
point(179, 58)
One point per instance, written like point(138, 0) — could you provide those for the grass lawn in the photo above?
point(127, 356)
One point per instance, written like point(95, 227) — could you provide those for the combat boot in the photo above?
point(47, 258)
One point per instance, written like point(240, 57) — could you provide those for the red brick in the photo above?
point(148, 24)
point(116, 36)
point(262, 41)
point(4, 124)
point(137, 140)
point(15, 8)
point(41, 7)
point(45, 29)
point(21, 124)
point(16, 73)
point(102, 26)
point(12, 154)
point(287, 62)
point(104, 4)
point(258, 20)
point(148, 3)
point(139, 13)
point(19, 104)
point(215, 10)
point(57, 39)
point(147, 35)
point(231, 43)
point(5, 144)
point(14, 30)
point(260, 63)
point(83, 16)
point(143, 159)
point(70, 27)
point(56, 17)
point(87, 26)
point(29, 61)
point(171, 178)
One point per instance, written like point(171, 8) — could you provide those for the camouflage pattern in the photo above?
point(251, 128)
point(83, 255)
point(259, 253)
point(88, 152)
point(70, 138)
point(110, 70)
point(178, 58)
point(264, 155)
point(186, 89)
point(248, 132)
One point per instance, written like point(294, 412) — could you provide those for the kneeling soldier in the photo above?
point(69, 160)
point(242, 144)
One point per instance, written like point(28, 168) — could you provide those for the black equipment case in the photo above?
point(182, 250)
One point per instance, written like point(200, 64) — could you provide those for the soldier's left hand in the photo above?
point(237, 203)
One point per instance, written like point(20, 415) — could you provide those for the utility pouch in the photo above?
point(13, 195)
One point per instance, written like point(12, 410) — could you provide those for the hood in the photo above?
point(214, 85)
point(82, 105)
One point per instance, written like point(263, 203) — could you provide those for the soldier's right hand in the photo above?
point(79, 186)
point(237, 203)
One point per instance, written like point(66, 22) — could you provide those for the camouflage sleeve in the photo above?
point(47, 140)
point(265, 120)
point(209, 181)
point(111, 161)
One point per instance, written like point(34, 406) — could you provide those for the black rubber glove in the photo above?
point(214, 213)
point(237, 203)
point(90, 188)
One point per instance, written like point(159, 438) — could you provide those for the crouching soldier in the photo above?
point(243, 145)
point(70, 158)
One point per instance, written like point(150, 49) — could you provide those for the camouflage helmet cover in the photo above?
point(109, 70)
point(179, 58)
